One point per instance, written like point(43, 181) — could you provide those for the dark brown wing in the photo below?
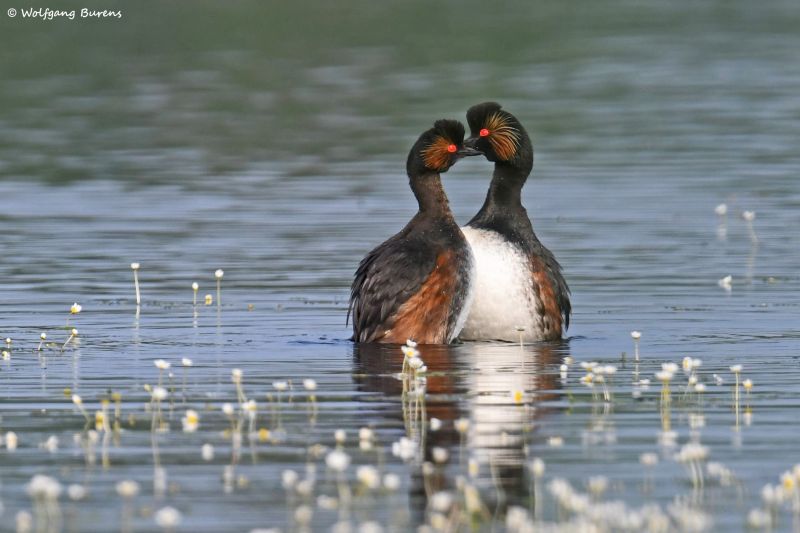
point(385, 279)
point(552, 293)
point(426, 317)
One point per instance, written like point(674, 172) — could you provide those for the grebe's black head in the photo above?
point(438, 149)
point(499, 136)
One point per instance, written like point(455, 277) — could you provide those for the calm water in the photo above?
point(270, 141)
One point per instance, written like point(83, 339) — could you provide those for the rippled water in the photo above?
point(271, 143)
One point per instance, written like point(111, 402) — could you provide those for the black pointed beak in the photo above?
point(468, 152)
point(472, 142)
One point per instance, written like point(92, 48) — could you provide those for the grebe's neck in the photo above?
point(430, 195)
point(505, 190)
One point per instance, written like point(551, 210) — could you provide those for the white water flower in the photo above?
point(368, 476)
point(186, 362)
point(303, 515)
point(11, 441)
point(597, 485)
point(76, 492)
point(280, 386)
point(340, 436)
point(721, 209)
point(289, 479)
point(323, 502)
point(409, 351)
point(391, 482)
point(415, 362)
point(664, 375)
point(759, 519)
point(405, 449)
point(440, 455)
point(441, 501)
point(51, 444)
point(636, 335)
point(537, 467)
point(167, 517)
point(219, 273)
point(309, 384)
point(75, 308)
point(207, 452)
point(190, 421)
point(337, 461)
point(24, 521)
point(669, 367)
point(161, 364)
point(45, 487)
point(691, 452)
point(305, 487)
point(159, 393)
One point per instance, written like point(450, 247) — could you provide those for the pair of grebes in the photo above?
point(492, 279)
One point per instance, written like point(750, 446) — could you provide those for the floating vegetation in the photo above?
point(352, 484)
point(457, 467)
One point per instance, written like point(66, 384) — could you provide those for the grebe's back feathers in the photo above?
point(406, 284)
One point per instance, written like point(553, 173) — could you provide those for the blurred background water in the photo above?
point(269, 139)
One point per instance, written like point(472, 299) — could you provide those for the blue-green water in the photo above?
point(270, 140)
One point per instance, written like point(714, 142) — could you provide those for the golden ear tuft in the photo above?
point(502, 135)
point(437, 154)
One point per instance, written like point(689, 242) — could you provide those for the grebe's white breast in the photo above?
point(503, 293)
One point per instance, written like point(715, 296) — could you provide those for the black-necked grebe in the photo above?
point(417, 284)
point(518, 281)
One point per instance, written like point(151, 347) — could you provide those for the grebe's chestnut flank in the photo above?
point(417, 284)
point(518, 281)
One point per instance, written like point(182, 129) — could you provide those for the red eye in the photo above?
point(484, 132)
point(452, 148)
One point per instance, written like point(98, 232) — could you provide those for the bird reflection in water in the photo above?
point(487, 399)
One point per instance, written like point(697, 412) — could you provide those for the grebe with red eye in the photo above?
point(418, 284)
point(518, 281)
